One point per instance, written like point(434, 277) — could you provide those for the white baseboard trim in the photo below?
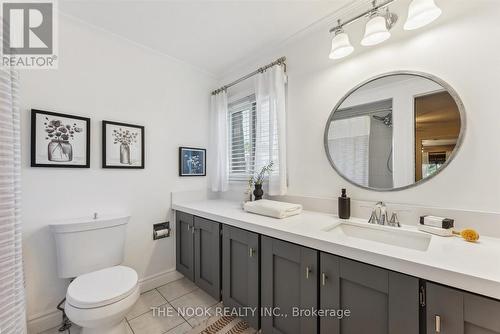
point(46, 320)
point(154, 281)
point(43, 321)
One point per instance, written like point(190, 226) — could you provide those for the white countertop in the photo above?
point(473, 267)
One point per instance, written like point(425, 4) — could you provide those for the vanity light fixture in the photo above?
point(421, 13)
point(377, 30)
point(341, 46)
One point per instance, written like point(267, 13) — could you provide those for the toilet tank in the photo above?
point(87, 244)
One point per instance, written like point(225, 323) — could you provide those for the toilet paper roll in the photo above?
point(161, 233)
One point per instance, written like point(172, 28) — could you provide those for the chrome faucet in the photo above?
point(394, 221)
point(379, 216)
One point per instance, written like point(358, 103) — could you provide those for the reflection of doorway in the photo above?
point(437, 126)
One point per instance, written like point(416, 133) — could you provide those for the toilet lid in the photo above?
point(101, 287)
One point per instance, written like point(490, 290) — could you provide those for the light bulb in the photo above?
point(341, 46)
point(421, 13)
point(375, 31)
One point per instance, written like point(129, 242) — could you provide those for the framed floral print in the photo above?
point(123, 145)
point(192, 161)
point(59, 140)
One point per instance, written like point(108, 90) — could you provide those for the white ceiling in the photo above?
point(211, 35)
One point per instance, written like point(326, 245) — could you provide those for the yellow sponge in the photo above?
point(468, 234)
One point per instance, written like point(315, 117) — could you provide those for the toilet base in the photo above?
point(116, 329)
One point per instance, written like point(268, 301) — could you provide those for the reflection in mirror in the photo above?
point(394, 131)
point(437, 126)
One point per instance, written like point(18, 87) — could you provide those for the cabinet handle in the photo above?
point(438, 324)
point(188, 228)
point(251, 252)
point(323, 279)
point(422, 296)
point(308, 272)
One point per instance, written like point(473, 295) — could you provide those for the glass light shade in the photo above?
point(376, 31)
point(341, 46)
point(421, 13)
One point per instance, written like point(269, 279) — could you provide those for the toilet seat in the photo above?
point(102, 287)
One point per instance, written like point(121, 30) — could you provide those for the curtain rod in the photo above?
point(279, 61)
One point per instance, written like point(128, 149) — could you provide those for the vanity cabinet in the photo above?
point(198, 247)
point(452, 311)
point(289, 280)
point(380, 301)
point(240, 273)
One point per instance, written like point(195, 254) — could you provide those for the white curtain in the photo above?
point(12, 299)
point(218, 145)
point(270, 144)
point(349, 142)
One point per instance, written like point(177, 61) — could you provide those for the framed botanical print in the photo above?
point(192, 161)
point(122, 145)
point(59, 140)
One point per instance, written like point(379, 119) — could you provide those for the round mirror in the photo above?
point(395, 131)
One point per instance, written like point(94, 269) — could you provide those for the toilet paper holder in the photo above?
point(161, 230)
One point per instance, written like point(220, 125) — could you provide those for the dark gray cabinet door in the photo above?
point(451, 311)
point(444, 308)
point(289, 282)
point(481, 315)
point(207, 256)
point(184, 261)
point(379, 301)
point(240, 273)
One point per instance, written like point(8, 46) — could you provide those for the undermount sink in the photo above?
point(381, 234)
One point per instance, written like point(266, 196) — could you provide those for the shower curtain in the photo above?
point(349, 142)
point(12, 299)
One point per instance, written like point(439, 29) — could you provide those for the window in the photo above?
point(243, 139)
point(242, 120)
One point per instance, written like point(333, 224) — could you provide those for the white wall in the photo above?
point(460, 48)
point(107, 78)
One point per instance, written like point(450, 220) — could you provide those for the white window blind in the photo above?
point(242, 119)
point(243, 139)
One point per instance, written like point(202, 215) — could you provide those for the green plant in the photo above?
point(259, 178)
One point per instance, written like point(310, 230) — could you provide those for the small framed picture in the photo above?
point(59, 140)
point(192, 161)
point(122, 145)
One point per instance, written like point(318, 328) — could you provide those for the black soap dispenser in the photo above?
point(344, 205)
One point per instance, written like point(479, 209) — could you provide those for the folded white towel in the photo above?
point(274, 209)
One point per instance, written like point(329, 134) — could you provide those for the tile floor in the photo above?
point(177, 294)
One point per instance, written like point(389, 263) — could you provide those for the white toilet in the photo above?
point(102, 292)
